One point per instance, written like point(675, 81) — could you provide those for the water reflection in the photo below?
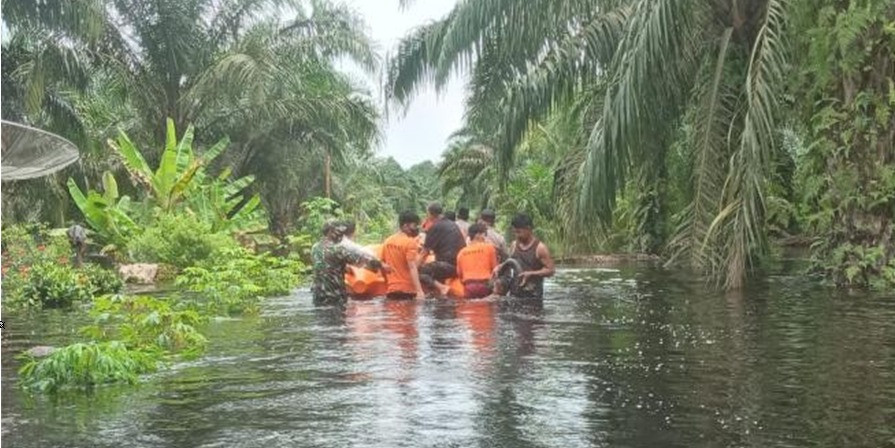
point(401, 321)
point(479, 317)
point(525, 317)
point(609, 358)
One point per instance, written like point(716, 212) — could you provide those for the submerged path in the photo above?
point(637, 357)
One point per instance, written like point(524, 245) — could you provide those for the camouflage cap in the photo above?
point(338, 227)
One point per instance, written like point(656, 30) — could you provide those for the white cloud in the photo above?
point(421, 134)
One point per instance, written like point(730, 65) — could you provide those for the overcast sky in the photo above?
point(431, 118)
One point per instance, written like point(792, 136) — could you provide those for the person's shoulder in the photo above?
point(405, 240)
point(442, 225)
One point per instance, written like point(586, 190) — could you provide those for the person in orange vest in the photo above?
point(476, 262)
point(400, 252)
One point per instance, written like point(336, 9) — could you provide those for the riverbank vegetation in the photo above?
point(134, 334)
point(217, 137)
point(705, 131)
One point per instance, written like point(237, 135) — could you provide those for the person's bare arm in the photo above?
point(415, 277)
point(543, 254)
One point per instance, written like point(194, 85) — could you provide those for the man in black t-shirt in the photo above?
point(445, 240)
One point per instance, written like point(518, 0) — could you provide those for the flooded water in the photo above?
point(629, 358)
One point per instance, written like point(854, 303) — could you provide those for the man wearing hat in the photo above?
point(329, 260)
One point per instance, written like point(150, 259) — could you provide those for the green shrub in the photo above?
point(85, 365)
point(179, 240)
point(102, 281)
point(234, 280)
point(315, 212)
point(147, 323)
point(25, 245)
point(50, 285)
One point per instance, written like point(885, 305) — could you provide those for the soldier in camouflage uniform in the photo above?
point(329, 259)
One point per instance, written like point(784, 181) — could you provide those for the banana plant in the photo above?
point(220, 202)
point(106, 213)
point(180, 182)
point(177, 171)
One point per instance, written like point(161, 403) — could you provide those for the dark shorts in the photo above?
point(400, 296)
point(476, 289)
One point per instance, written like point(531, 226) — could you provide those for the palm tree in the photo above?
point(230, 67)
point(643, 69)
point(468, 167)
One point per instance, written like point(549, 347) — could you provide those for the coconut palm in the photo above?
point(647, 67)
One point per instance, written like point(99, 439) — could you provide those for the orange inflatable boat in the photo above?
point(364, 284)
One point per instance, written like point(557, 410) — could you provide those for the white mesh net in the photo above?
point(28, 152)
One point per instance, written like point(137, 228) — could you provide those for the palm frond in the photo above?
point(642, 99)
point(750, 165)
point(413, 64)
point(86, 19)
point(709, 120)
point(576, 60)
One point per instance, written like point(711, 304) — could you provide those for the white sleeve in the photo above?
point(357, 248)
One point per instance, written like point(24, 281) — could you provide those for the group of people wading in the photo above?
point(445, 255)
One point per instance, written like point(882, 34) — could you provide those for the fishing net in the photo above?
point(28, 152)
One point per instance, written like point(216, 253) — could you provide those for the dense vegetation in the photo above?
point(702, 130)
point(131, 334)
point(709, 132)
point(217, 136)
point(259, 72)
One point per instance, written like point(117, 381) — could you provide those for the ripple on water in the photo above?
point(612, 357)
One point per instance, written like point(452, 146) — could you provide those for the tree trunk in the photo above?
point(648, 214)
point(327, 175)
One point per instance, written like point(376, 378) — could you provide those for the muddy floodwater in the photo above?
point(631, 357)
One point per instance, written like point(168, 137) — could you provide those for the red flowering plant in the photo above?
point(37, 271)
point(24, 246)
